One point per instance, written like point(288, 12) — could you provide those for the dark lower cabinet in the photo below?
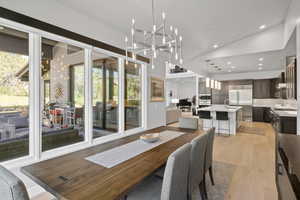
point(288, 125)
point(258, 114)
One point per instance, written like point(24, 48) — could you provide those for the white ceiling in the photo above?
point(202, 23)
point(272, 60)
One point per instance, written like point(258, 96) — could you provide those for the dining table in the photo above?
point(73, 177)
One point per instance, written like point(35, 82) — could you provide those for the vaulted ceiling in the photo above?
point(202, 23)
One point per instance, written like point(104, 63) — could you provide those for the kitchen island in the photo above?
point(223, 126)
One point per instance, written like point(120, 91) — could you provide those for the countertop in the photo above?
point(221, 108)
point(285, 113)
point(282, 111)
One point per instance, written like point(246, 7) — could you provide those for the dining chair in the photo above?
point(175, 180)
point(11, 187)
point(197, 165)
point(209, 157)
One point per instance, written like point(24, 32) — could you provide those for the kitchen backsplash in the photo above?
point(267, 102)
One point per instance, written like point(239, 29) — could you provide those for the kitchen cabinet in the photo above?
point(258, 114)
point(291, 79)
point(275, 91)
point(288, 125)
point(262, 89)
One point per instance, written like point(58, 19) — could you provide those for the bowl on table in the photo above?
point(150, 138)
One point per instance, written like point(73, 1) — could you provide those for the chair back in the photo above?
point(222, 116)
point(197, 159)
point(11, 187)
point(209, 148)
point(204, 114)
point(175, 182)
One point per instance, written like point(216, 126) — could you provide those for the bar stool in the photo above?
point(206, 115)
point(222, 116)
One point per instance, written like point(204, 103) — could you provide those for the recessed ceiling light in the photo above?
point(262, 27)
point(260, 64)
point(232, 67)
point(260, 68)
point(216, 46)
point(228, 63)
point(261, 59)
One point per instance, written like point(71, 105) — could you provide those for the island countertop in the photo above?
point(221, 108)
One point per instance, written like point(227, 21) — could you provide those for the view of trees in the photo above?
point(13, 91)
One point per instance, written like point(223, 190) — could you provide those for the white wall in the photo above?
point(293, 16)
point(54, 13)
point(181, 87)
point(156, 110)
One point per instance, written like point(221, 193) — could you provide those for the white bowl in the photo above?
point(150, 138)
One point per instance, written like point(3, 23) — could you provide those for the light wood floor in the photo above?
point(253, 156)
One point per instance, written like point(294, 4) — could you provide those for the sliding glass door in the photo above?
point(105, 89)
point(14, 93)
point(62, 112)
point(133, 95)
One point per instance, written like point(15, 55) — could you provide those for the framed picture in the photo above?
point(157, 90)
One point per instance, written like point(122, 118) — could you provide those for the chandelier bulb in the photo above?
point(154, 54)
point(132, 31)
point(134, 45)
point(180, 38)
point(133, 21)
point(164, 40)
point(176, 56)
point(126, 39)
point(181, 61)
point(153, 66)
point(171, 28)
point(154, 28)
point(171, 50)
point(163, 15)
point(176, 31)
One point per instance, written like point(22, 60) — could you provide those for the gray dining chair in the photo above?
point(11, 187)
point(175, 180)
point(209, 157)
point(197, 165)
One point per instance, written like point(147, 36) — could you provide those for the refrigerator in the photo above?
point(240, 95)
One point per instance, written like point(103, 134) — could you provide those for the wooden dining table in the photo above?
point(73, 177)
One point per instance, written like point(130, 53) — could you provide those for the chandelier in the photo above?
point(152, 42)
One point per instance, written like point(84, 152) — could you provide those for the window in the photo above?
point(133, 98)
point(63, 109)
point(14, 94)
point(105, 87)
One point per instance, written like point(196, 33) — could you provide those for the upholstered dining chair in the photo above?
point(209, 157)
point(197, 165)
point(175, 180)
point(11, 187)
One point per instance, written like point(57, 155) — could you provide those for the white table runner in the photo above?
point(117, 155)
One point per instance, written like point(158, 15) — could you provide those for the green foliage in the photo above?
point(10, 64)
